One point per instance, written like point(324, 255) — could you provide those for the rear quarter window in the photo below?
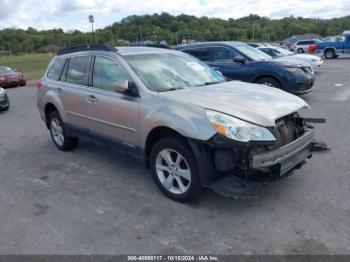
point(56, 69)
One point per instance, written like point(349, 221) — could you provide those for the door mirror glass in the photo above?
point(122, 86)
point(239, 60)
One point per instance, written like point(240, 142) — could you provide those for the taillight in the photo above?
point(39, 84)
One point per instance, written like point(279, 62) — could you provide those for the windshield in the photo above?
point(5, 70)
point(166, 71)
point(283, 51)
point(252, 53)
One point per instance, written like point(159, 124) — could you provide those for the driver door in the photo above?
point(112, 116)
point(222, 60)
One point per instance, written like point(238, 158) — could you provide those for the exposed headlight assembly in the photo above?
point(237, 129)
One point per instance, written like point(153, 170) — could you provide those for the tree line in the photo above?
point(173, 29)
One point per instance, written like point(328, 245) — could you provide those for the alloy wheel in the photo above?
point(57, 131)
point(173, 171)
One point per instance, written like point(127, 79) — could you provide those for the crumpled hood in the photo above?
point(257, 104)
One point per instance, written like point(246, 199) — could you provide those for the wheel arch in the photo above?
point(157, 134)
point(49, 108)
point(261, 76)
point(200, 152)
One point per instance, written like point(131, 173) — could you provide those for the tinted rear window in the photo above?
point(56, 69)
point(200, 53)
point(78, 70)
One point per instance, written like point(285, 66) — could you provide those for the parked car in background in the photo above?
point(4, 100)
point(333, 49)
point(190, 126)
point(9, 77)
point(303, 46)
point(238, 61)
point(276, 52)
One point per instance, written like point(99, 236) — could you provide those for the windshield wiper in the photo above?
point(171, 89)
point(210, 83)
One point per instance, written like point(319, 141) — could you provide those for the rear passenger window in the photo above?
point(78, 70)
point(107, 73)
point(200, 53)
point(56, 69)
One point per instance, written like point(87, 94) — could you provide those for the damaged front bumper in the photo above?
point(285, 158)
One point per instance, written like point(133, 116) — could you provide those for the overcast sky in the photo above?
point(73, 14)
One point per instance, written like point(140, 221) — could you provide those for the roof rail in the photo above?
point(90, 47)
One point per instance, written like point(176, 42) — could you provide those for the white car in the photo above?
point(303, 45)
point(276, 51)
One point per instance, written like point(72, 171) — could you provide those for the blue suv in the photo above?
point(238, 61)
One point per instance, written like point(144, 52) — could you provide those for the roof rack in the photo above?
point(79, 48)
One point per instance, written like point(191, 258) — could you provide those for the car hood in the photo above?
point(257, 104)
point(286, 62)
point(306, 56)
point(11, 74)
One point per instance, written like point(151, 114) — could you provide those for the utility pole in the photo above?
point(92, 20)
point(253, 32)
point(140, 29)
point(9, 44)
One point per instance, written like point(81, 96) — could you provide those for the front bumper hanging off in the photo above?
point(287, 157)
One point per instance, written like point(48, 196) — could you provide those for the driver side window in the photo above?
point(107, 73)
point(222, 54)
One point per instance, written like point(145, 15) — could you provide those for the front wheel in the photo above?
point(174, 169)
point(329, 53)
point(58, 134)
point(269, 81)
point(300, 50)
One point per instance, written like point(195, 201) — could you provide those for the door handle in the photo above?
point(92, 99)
point(59, 90)
point(215, 68)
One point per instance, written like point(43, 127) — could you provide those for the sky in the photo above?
point(73, 14)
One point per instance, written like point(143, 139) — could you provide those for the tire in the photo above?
point(174, 169)
point(269, 81)
point(5, 109)
point(59, 135)
point(300, 50)
point(329, 53)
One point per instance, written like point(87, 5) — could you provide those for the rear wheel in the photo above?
point(58, 134)
point(329, 53)
point(300, 50)
point(174, 169)
point(269, 81)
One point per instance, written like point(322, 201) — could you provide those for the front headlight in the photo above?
point(237, 129)
point(295, 70)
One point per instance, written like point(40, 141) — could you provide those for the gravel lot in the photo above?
point(95, 200)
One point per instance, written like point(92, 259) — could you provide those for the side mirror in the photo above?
point(123, 86)
point(239, 60)
point(15, 70)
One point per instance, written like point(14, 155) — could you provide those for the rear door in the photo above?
point(71, 85)
point(347, 44)
point(74, 89)
point(112, 116)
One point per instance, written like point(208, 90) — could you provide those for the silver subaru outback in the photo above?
point(190, 126)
